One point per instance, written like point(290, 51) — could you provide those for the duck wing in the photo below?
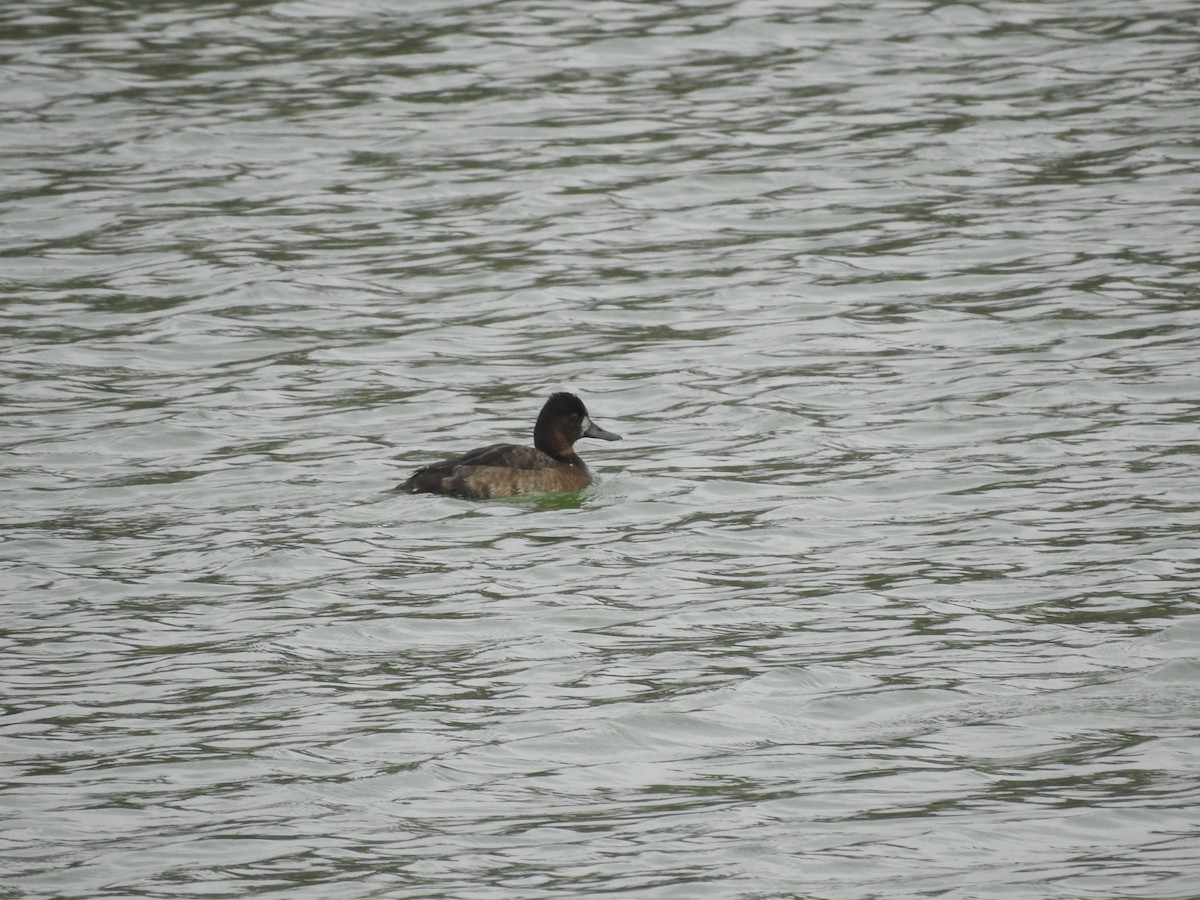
point(507, 456)
point(502, 461)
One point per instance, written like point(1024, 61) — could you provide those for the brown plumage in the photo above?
point(506, 470)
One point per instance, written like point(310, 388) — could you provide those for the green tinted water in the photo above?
point(889, 590)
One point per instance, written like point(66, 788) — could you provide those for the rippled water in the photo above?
point(890, 590)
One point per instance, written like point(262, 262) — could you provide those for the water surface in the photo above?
point(890, 590)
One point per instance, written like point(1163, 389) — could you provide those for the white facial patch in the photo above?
point(585, 424)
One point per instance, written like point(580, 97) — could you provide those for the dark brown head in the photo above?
point(564, 420)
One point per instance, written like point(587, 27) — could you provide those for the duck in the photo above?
point(551, 465)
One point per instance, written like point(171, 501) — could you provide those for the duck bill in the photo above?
point(595, 431)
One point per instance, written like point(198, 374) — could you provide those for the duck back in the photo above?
point(499, 470)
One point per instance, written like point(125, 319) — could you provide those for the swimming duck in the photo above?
point(506, 470)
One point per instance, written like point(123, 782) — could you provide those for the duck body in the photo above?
point(508, 470)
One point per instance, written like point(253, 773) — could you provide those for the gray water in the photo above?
point(890, 590)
